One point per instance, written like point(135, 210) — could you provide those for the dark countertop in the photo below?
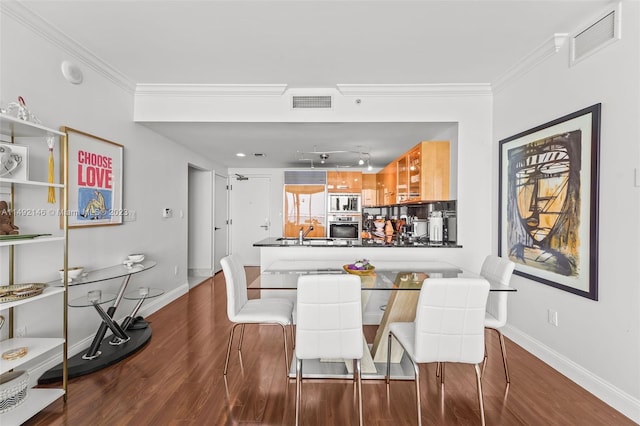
point(327, 242)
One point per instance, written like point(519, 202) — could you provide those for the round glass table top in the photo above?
point(143, 293)
point(83, 301)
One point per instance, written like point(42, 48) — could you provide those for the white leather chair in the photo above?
point(241, 310)
point(329, 325)
point(449, 327)
point(497, 270)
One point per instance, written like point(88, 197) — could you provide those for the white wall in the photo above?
point(155, 176)
point(469, 107)
point(597, 343)
point(200, 222)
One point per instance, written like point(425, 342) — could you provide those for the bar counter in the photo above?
point(328, 242)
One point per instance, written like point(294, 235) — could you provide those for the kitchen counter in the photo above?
point(328, 242)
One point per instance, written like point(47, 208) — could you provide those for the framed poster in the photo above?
point(548, 202)
point(94, 167)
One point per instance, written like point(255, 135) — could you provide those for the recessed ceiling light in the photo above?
point(241, 154)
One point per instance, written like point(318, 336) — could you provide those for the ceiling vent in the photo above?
point(596, 36)
point(305, 102)
point(305, 177)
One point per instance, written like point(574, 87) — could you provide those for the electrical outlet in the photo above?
point(21, 331)
point(552, 317)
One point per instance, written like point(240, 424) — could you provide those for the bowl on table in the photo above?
point(72, 273)
point(369, 271)
point(135, 258)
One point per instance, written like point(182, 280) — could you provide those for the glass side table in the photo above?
point(126, 340)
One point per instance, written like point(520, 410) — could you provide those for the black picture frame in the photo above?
point(548, 202)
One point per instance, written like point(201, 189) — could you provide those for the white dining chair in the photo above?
point(241, 310)
point(497, 270)
point(449, 327)
point(329, 325)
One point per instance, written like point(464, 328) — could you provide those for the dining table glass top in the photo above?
point(282, 275)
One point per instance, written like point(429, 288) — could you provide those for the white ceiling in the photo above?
point(310, 44)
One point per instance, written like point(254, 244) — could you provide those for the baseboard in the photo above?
point(603, 390)
point(195, 272)
point(148, 308)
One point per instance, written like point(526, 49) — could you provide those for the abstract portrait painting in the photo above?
point(548, 195)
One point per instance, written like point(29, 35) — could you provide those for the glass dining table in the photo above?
point(389, 294)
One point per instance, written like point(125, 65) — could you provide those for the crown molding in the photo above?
point(27, 18)
point(462, 89)
point(547, 49)
point(197, 90)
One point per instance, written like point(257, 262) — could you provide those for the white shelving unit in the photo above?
point(13, 130)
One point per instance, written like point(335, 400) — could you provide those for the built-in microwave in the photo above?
point(344, 227)
point(343, 203)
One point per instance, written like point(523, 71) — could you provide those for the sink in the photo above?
point(306, 242)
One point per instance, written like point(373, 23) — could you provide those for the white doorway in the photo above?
point(221, 221)
point(249, 202)
point(200, 225)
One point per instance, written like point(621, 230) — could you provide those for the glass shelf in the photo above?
point(108, 273)
point(138, 294)
point(83, 302)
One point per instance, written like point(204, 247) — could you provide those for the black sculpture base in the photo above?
point(110, 354)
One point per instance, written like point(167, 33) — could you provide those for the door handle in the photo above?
point(264, 226)
point(215, 228)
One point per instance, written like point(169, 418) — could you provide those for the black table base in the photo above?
point(110, 354)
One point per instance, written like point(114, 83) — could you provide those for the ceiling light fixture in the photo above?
point(339, 158)
point(241, 154)
point(369, 168)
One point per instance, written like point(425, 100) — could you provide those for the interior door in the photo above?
point(251, 216)
point(221, 216)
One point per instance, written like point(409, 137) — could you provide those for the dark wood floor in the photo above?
point(177, 380)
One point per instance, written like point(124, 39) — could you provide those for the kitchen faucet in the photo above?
point(302, 233)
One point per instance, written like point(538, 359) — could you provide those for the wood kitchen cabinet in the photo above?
point(387, 184)
point(424, 173)
point(344, 181)
point(369, 190)
point(420, 174)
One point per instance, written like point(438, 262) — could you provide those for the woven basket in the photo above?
point(13, 389)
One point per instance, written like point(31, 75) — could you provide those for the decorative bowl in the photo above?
point(359, 271)
point(72, 273)
point(136, 258)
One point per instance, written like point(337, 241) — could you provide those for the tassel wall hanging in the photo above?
point(51, 197)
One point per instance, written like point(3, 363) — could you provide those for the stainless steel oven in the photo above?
point(344, 227)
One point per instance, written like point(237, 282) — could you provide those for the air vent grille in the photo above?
point(301, 102)
point(305, 177)
point(596, 36)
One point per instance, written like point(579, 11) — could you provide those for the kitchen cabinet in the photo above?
point(387, 184)
point(344, 181)
point(424, 173)
point(369, 190)
point(41, 219)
